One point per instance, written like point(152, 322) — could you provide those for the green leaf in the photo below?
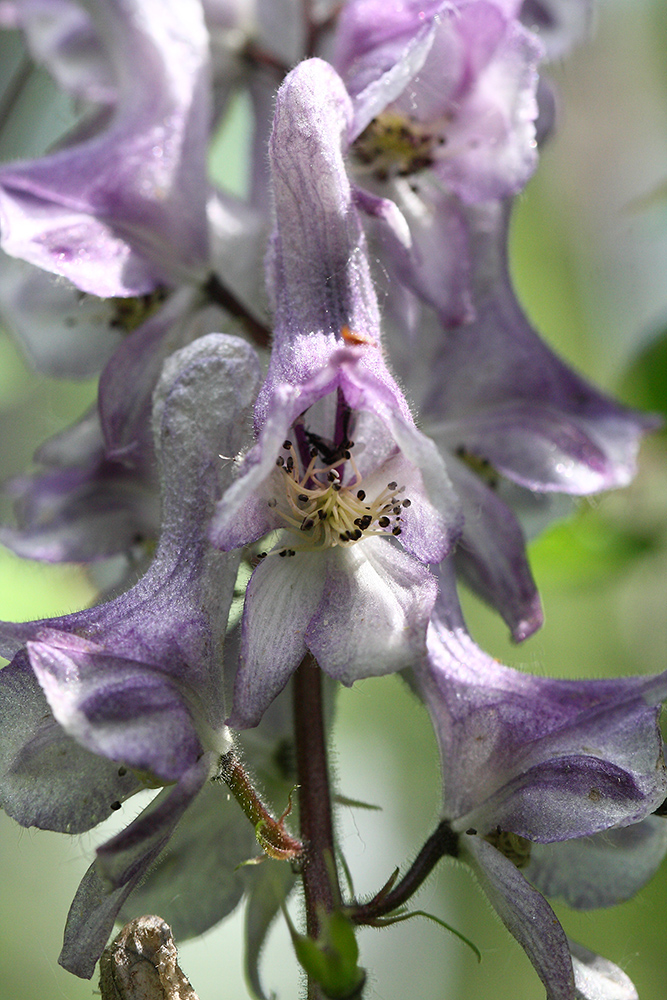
point(269, 885)
point(343, 800)
point(399, 917)
point(331, 960)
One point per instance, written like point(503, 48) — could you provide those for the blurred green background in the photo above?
point(589, 250)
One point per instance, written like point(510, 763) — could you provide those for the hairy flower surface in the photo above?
point(101, 702)
point(339, 467)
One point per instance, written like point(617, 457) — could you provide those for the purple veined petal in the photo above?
point(469, 78)
point(116, 708)
point(379, 50)
point(281, 598)
point(490, 149)
point(507, 378)
point(126, 208)
point(491, 554)
point(597, 978)
point(373, 614)
point(437, 265)
point(80, 506)
point(34, 744)
point(121, 864)
point(546, 759)
point(526, 914)
point(318, 250)
point(173, 620)
point(394, 230)
point(608, 868)
point(543, 449)
point(376, 27)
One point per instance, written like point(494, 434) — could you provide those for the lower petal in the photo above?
point(374, 611)
point(282, 596)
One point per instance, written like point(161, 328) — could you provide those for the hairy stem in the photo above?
point(443, 841)
point(320, 882)
point(271, 834)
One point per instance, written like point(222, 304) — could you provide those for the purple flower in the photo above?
point(445, 109)
point(82, 506)
point(339, 466)
point(531, 763)
point(104, 701)
point(516, 425)
point(121, 206)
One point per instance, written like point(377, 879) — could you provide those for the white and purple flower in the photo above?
point(339, 466)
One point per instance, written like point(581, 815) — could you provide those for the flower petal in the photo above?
point(374, 610)
point(117, 708)
point(195, 881)
point(281, 598)
point(608, 868)
point(121, 864)
point(43, 770)
point(491, 554)
point(126, 207)
point(597, 978)
point(526, 914)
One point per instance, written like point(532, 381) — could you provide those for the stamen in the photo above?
point(324, 509)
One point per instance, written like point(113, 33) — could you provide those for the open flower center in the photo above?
point(324, 509)
point(395, 146)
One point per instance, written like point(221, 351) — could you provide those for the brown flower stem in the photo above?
point(223, 296)
point(442, 842)
point(320, 879)
point(271, 834)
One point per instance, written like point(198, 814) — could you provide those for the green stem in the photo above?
point(271, 834)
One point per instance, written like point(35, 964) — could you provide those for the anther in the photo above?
point(361, 494)
point(280, 461)
point(392, 486)
point(115, 806)
point(397, 531)
point(384, 522)
point(406, 503)
point(287, 445)
point(273, 502)
point(302, 497)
